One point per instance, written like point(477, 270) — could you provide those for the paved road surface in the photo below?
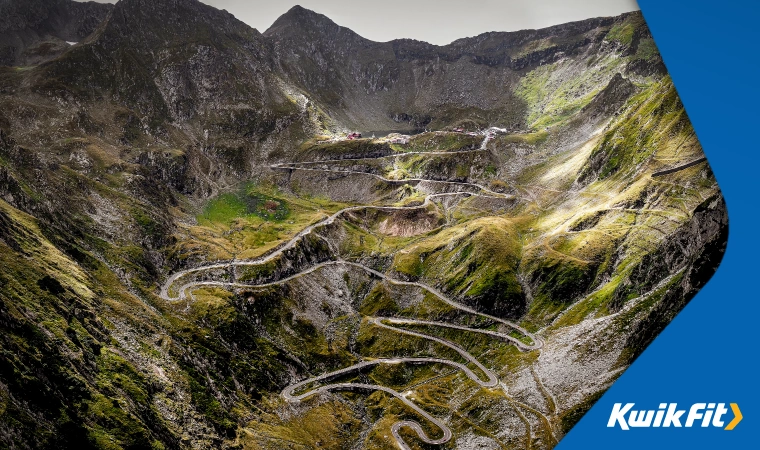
point(404, 180)
point(165, 294)
point(491, 380)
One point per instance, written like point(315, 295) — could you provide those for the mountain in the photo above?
point(206, 79)
point(410, 84)
point(38, 30)
point(189, 243)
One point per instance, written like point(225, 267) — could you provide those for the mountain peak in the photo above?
point(155, 22)
point(298, 12)
point(298, 19)
point(298, 9)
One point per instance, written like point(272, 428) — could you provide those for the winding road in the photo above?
point(184, 292)
point(165, 294)
point(293, 166)
point(392, 155)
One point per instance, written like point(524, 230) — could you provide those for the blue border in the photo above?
point(710, 351)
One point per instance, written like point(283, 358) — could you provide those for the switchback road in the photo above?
point(394, 324)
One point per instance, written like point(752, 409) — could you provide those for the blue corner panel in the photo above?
point(711, 351)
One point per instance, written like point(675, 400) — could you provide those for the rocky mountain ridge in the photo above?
point(398, 83)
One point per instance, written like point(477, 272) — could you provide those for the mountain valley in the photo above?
point(194, 255)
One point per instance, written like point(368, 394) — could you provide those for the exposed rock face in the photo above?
point(612, 98)
point(696, 249)
point(203, 56)
point(400, 84)
point(407, 84)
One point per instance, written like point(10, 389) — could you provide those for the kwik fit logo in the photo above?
point(668, 415)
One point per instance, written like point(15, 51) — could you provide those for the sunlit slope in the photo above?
point(614, 211)
point(476, 260)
